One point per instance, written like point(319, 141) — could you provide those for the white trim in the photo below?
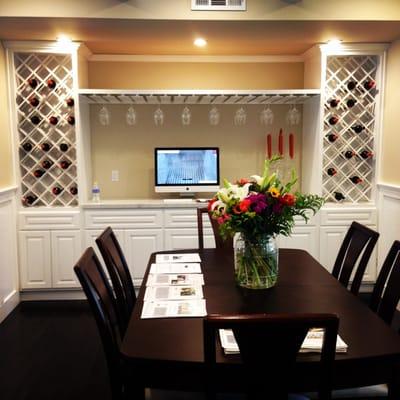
point(389, 187)
point(56, 294)
point(354, 49)
point(194, 59)
point(9, 303)
point(41, 46)
point(7, 193)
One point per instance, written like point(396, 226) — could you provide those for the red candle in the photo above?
point(291, 145)
point(280, 142)
point(268, 149)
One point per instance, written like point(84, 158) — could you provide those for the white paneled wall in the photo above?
point(9, 292)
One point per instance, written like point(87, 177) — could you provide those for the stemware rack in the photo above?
point(46, 128)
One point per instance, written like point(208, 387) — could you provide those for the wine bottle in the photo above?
point(349, 154)
point(56, 190)
point(355, 179)
point(35, 120)
point(73, 190)
point(32, 82)
point(338, 196)
point(351, 85)
point(358, 128)
point(63, 147)
point(38, 173)
point(34, 101)
point(366, 154)
point(71, 119)
point(351, 103)
point(333, 120)
point(27, 146)
point(332, 137)
point(51, 83)
point(29, 200)
point(334, 102)
point(70, 102)
point(331, 171)
point(45, 146)
point(46, 164)
point(53, 120)
point(369, 84)
point(64, 164)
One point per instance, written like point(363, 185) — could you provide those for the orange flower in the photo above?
point(274, 192)
point(242, 181)
point(288, 199)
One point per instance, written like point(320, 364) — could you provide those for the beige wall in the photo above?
point(390, 168)
point(173, 75)
point(129, 149)
point(6, 175)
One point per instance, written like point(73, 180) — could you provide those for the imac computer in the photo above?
point(186, 170)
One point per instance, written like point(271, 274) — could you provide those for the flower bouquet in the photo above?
point(259, 209)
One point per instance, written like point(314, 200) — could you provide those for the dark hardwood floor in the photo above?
point(51, 350)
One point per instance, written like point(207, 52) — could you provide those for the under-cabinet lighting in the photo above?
point(64, 42)
point(200, 42)
point(333, 44)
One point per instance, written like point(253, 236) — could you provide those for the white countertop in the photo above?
point(145, 203)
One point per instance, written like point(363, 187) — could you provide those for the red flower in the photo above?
point(288, 199)
point(210, 203)
point(244, 205)
point(242, 181)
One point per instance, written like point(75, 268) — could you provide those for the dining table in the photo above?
point(168, 352)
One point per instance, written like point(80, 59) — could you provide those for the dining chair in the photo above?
point(102, 303)
point(272, 341)
point(118, 270)
point(358, 244)
point(220, 243)
point(386, 293)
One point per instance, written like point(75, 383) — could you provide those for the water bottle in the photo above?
point(95, 192)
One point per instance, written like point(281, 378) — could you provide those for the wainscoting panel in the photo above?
point(9, 292)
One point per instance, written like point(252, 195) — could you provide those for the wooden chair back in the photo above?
point(220, 243)
point(358, 244)
point(100, 297)
point(273, 342)
point(118, 269)
point(386, 293)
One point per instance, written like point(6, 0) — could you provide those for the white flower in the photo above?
point(233, 192)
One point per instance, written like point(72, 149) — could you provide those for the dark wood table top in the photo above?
point(304, 286)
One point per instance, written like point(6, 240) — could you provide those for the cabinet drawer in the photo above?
point(186, 218)
point(45, 220)
point(140, 218)
point(344, 216)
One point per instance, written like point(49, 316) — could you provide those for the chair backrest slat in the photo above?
point(118, 269)
point(271, 340)
point(358, 244)
point(386, 293)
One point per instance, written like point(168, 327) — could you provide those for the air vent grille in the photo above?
point(219, 5)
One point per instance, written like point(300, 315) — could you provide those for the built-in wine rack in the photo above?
point(350, 100)
point(46, 129)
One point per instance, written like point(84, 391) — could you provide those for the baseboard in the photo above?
point(40, 295)
point(9, 303)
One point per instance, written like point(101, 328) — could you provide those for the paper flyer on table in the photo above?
point(180, 268)
point(173, 309)
point(178, 258)
point(175, 279)
point(173, 292)
point(312, 342)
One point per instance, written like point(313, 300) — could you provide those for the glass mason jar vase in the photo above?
point(256, 262)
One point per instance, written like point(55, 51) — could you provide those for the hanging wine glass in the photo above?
point(104, 116)
point(213, 116)
point(293, 116)
point(131, 116)
point(158, 117)
point(267, 116)
point(240, 117)
point(186, 116)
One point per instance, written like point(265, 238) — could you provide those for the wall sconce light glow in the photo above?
point(200, 42)
point(64, 42)
point(334, 44)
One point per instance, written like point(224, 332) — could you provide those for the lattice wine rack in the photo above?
point(349, 123)
point(46, 129)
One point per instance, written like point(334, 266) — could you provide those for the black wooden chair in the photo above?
point(220, 243)
point(121, 279)
point(102, 303)
point(386, 293)
point(358, 244)
point(273, 342)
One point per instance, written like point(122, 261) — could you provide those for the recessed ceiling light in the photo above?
point(200, 42)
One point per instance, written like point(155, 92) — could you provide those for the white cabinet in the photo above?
point(302, 237)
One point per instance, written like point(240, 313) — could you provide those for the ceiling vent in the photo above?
point(219, 5)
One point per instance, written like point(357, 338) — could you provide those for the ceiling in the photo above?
point(175, 37)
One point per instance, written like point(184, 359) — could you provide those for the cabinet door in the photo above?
point(302, 237)
point(35, 259)
point(139, 244)
point(66, 249)
point(331, 238)
point(187, 238)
